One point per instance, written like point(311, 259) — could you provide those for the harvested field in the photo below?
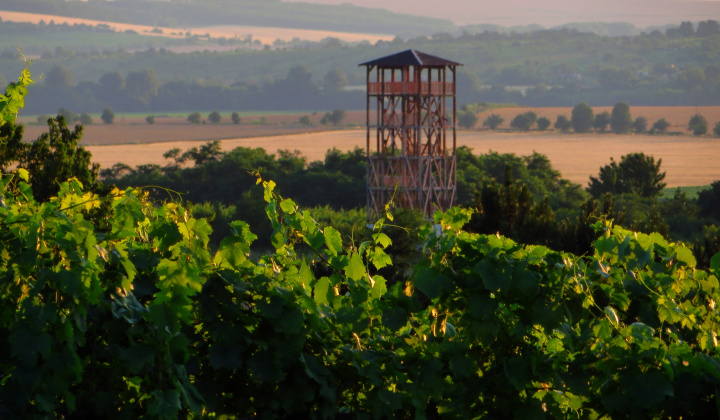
point(687, 160)
point(263, 34)
point(170, 129)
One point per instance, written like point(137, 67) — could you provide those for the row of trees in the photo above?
point(583, 120)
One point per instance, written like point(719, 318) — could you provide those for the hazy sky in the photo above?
point(641, 13)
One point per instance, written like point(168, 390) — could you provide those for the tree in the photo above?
point(108, 116)
point(716, 129)
point(207, 153)
point(112, 81)
point(304, 120)
point(602, 120)
point(698, 125)
point(620, 118)
point(660, 126)
point(708, 28)
point(524, 121)
point(58, 77)
point(686, 29)
point(635, 174)
point(142, 84)
point(582, 118)
point(235, 117)
point(215, 117)
point(335, 117)
point(709, 201)
point(562, 123)
point(467, 118)
point(335, 81)
point(194, 118)
point(150, 119)
point(69, 116)
point(543, 123)
point(640, 125)
point(57, 156)
point(85, 119)
point(493, 121)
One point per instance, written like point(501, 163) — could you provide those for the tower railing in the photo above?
point(401, 88)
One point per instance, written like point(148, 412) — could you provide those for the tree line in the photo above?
point(583, 120)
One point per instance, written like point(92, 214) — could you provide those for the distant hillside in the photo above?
point(345, 18)
point(549, 13)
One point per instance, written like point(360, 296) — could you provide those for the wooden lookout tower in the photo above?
point(411, 139)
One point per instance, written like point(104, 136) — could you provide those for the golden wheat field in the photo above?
point(688, 160)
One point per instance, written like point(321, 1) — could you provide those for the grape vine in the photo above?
point(129, 315)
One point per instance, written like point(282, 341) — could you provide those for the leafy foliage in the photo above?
point(144, 321)
point(57, 156)
point(636, 174)
point(14, 97)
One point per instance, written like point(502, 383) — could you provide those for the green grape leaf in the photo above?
point(23, 174)
point(333, 240)
point(322, 290)
point(715, 262)
point(686, 256)
point(430, 282)
point(288, 206)
point(355, 269)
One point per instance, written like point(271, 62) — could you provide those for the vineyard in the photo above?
point(113, 305)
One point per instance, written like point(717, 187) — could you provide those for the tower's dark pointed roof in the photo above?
point(410, 58)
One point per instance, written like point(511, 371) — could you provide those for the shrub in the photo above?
point(150, 119)
point(716, 129)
